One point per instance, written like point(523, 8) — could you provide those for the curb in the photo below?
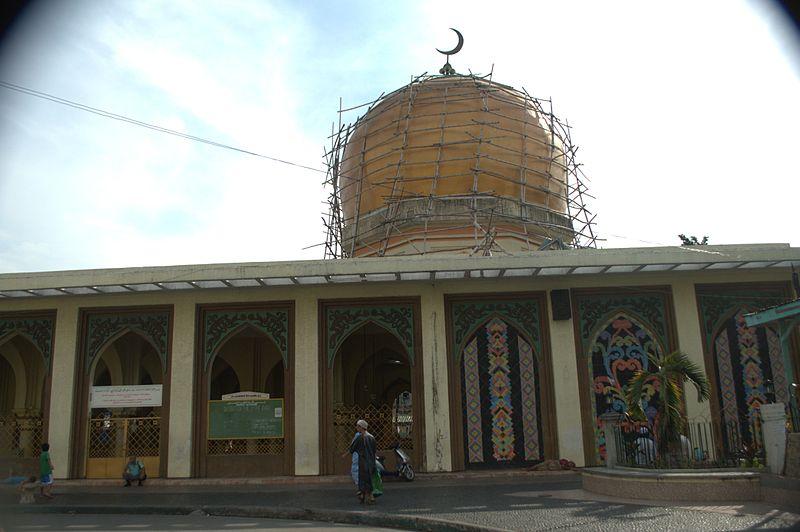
point(312, 479)
point(368, 518)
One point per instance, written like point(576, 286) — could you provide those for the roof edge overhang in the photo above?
point(412, 268)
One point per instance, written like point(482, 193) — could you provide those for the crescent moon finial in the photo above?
point(458, 46)
point(448, 69)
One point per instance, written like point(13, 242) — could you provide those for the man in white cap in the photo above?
point(365, 446)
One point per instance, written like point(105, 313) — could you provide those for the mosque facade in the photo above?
point(446, 320)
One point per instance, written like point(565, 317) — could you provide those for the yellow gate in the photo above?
point(20, 435)
point(113, 440)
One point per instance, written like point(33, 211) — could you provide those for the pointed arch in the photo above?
point(116, 370)
point(103, 328)
point(221, 324)
point(10, 353)
point(342, 321)
point(362, 324)
point(468, 334)
point(608, 318)
point(233, 333)
point(35, 327)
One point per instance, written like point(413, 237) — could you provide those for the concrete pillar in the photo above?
point(690, 341)
point(306, 386)
point(773, 425)
point(181, 396)
point(567, 394)
point(610, 421)
point(62, 389)
point(437, 391)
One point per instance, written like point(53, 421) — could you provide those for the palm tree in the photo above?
point(667, 374)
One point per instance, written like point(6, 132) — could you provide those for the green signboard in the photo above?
point(245, 419)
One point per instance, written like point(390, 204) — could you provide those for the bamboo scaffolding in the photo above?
point(414, 229)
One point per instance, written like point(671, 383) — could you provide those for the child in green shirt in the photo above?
point(46, 471)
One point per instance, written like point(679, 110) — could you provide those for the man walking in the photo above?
point(365, 446)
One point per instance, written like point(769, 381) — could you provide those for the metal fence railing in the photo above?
point(704, 444)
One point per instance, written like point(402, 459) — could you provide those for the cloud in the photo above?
point(686, 117)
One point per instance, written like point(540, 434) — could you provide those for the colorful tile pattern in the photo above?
point(472, 403)
point(501, 415)
point(500, 392)
point(746, 360)
point(527, 378)
point(621, 349)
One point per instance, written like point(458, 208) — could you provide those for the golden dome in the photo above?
point(452, 164)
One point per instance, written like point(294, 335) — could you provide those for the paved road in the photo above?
point(518, 503)
point(161, 523)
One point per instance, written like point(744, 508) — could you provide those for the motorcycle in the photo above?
point(404, 469)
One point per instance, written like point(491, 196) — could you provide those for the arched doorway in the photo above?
point(126, 366)
point(502, 413)
point(23, 375)
point(247, 362)
point(370, 369)
point(26, 344)
point(244, 406)
point(372, 381)
point(123, 382)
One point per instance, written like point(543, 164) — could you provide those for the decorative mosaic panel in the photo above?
point(597, 310)
point(153, 325)
point(716, 308)
point(621, 349)
point(617, 331)
point(220, 324)
point(500, 398)
point(744, 359)
point(38, 330)
point(342, 321)
point(523, 314)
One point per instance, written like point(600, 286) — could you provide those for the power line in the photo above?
point(122, 118)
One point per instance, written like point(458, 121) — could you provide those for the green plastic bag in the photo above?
point(377, 484)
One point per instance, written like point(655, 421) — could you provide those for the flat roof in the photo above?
point(413, 268)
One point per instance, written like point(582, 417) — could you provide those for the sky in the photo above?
point(686, 113)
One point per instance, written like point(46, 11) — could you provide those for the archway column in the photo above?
point(567, 393)
point(181, 391)
point(65, 350)
point(690, 341)
point(437, 391)
point(306, 390)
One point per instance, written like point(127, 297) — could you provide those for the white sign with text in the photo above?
point(125, 396)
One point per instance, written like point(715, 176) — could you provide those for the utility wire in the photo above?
point(147, 125)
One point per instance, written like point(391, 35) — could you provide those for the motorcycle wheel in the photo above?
point(407, 473)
